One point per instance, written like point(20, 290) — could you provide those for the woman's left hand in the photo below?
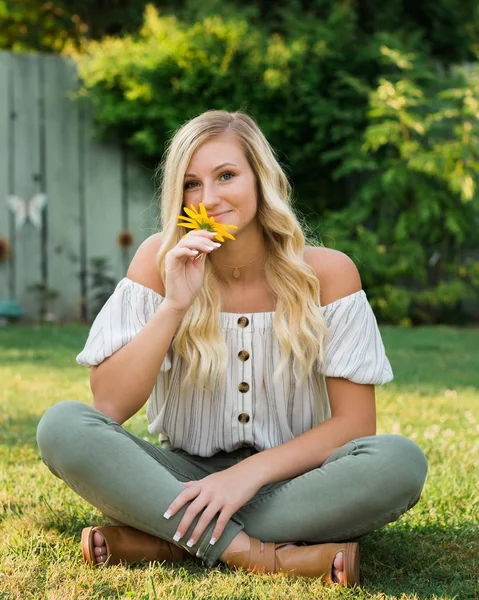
point(223, 492)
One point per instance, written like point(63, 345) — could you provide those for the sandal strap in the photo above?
point(308, 560)
point(262, 556)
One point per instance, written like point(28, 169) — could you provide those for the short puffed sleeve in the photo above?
point(354, 347)
point(121, 318)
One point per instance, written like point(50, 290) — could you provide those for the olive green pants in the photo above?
point(365, 484)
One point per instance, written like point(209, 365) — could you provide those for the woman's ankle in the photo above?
point(240, 543)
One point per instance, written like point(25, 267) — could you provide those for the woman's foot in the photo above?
point(99, 547)
point(241, 543)
point(110, 545)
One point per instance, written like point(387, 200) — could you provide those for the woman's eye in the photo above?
point(189, 184)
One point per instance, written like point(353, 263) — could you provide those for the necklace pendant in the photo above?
point(236, 273)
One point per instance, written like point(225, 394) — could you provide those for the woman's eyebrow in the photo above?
point(215, 169)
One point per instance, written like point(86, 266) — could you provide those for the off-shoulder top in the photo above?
point(252, 410)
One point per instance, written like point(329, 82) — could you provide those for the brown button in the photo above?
point(243, 355)
point(243, 387)
point(243, 321)
point(243, 418)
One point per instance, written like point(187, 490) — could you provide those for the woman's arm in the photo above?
point(123, 382)
point(353, 415)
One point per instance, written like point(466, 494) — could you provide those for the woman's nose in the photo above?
point(210, 199)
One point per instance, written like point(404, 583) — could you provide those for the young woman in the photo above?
point(257, 358)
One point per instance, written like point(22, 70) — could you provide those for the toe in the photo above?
point(98, 539)
point(338, 567)
point(100, 550)
point(338, 576)
point(338, 561)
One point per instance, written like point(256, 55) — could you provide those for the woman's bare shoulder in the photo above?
point(143, 269)
point(337, 273)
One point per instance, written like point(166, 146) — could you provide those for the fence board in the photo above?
point(93, 190)
point(63, 186)
point(142, 205)
point(5, 165)
point(103, 193)
point(27, 182)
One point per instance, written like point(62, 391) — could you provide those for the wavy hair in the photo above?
point(298, 323)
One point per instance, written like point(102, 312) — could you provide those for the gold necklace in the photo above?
point(236, 272)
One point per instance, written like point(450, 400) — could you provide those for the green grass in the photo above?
point(430, 553)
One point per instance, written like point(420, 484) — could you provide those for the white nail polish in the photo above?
point(213, 541)
point(190, 542)
point(210, 247)
point(177, 536)
point(167, 514)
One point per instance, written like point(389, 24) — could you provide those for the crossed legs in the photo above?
point(361, 487)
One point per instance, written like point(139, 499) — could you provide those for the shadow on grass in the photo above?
point(431, 561)
point(19, 431)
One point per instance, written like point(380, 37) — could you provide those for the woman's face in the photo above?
point(220, 177)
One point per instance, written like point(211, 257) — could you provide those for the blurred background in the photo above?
point(373, 110)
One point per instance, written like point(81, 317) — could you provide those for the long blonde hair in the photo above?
point(298, 322)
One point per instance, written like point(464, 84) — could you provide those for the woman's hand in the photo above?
point(223, 492)
point(184, 275)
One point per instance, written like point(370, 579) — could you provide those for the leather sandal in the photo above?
point(302, 560)
point(126, 545)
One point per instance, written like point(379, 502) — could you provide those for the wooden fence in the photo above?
point(90, 192)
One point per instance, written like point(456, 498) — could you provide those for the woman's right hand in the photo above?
point(184, 274)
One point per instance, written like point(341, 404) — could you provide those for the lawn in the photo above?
point(432, 552)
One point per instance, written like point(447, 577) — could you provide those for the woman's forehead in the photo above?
point(225, 148)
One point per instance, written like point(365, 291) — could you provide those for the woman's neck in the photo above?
point(240, 265)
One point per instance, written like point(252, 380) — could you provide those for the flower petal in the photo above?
point(189, 225)
point(189, 219)
point(204, 214)
point(228, 235)
point(191, 213)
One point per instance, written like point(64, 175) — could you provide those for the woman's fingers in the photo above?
point(224, 517)
point(190, 514)
point(188, 494)
point(205, 519)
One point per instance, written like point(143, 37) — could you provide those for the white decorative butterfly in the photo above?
point(27, 210)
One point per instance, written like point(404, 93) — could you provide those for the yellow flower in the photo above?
point(200, 220)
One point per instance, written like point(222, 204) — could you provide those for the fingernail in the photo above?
point(213, 541)
point(177, 536)
point(216, 244)
point(190, 542)
point(167, 514)
point(210, 247)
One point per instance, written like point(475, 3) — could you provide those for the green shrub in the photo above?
point(378, 140)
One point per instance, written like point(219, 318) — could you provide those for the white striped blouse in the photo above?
point(253, 411)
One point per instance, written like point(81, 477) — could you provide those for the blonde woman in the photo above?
point(257, 358)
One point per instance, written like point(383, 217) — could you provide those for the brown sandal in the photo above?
point(302, 560)
point(126, 545)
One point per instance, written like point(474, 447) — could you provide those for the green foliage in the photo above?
point(375, 128)
point(448, 29)
point(419, 198)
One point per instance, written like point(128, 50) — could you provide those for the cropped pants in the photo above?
point(365, 484)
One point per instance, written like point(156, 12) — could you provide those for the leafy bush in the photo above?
point(378, 139)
